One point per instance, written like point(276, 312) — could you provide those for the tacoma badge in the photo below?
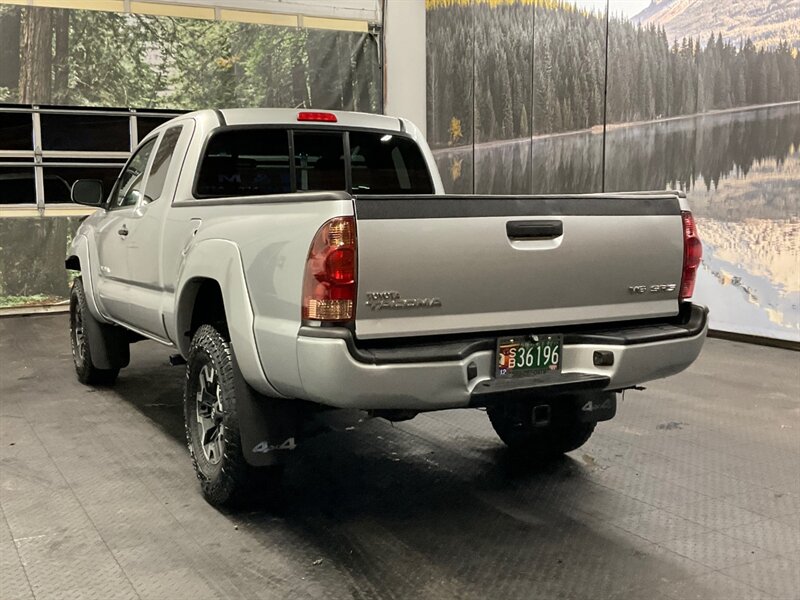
point(392, 300)
point(653, 289)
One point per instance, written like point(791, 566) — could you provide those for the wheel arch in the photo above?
point(72, 263)
point(212, 285)
point(78, 259)
point(201, 302)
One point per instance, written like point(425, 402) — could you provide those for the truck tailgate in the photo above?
point(433, 265)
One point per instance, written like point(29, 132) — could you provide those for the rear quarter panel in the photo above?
point(272, 241)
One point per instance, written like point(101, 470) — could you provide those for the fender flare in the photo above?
point(220, 261)
point(80, 248)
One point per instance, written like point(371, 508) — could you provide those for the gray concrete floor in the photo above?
point(693, 491)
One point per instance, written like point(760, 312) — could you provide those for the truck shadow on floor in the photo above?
point(428, 509)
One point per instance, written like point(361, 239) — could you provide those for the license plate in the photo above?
point(528, 355)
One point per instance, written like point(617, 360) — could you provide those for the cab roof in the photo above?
point(291, 116)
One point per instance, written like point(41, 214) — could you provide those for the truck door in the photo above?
point(145, 231)
point(114, 277)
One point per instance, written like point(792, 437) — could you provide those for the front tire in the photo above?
point(514, 426)
point(211, 417)
point(79, 320)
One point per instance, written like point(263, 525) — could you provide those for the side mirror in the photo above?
point(88, 192)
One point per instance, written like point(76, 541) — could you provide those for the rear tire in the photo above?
point(211, 417)
point(79, 316)
point(513, 424)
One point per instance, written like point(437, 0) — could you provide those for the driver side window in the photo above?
point(129, 185)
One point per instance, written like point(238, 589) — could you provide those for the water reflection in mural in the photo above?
point(750, 223)
point(741, 172)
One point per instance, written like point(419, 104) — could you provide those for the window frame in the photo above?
point(20, 167)
point(16, 152)
point(42, 160)
point(290, 128)
point(48, 168)
point(118, 119)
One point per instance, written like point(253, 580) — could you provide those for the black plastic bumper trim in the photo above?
point(370, 208)
point(492, 391)
point(690, 322)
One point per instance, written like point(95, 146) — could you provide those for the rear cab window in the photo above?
point(319, 161)
point(245, 162)
point(384, 163)
point(256, 161)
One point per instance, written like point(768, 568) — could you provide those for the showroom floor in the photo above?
point(693, 491)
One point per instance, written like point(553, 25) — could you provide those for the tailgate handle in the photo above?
point(534, 230)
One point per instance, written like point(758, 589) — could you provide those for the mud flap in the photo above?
point(109, 344)
point(596, 407)
point(267, 426)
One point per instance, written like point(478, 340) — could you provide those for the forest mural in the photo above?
point(90, 58)
point(94, 58)
point(549, 96)
point(649, 77)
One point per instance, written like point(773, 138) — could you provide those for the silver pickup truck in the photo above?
point(301, 261)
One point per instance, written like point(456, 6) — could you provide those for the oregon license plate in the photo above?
point(528, 355)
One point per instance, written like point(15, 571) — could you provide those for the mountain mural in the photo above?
point(766, 22)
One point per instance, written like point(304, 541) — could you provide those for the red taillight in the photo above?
point(692, 254)
point(329, 283)
point(316, 116)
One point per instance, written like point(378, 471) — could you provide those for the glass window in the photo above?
point(17, 185)
point(161, 162)
point(387, 164)
point(17, 159)
point(319, 161)
point(58, 180)
point(245, 162)
point(85, 132)
point(144, 125)
point(16, 131)
point(129, 185)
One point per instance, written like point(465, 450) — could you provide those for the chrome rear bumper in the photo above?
point(335, 372)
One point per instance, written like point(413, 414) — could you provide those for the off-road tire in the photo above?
point(230, 480)
point(514, 427)
point(79, 315)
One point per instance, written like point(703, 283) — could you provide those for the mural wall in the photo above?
point(32, 252)
point(88, 58)
point(590, 95)
point(94, 58)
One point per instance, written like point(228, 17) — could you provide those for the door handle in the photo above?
point(534, 230)
point(123, 232)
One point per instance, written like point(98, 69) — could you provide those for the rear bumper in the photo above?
point(460, 373)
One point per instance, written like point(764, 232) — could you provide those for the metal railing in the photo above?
point(16, 164)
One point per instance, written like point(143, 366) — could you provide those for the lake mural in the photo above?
point(741, 171)
point(717, 118)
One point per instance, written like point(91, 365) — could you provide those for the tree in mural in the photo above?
point(35, 48)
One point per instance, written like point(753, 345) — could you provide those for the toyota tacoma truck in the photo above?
point(304, 260)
